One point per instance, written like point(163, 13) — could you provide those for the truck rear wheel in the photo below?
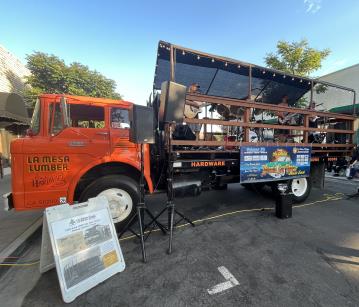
point(122, 193)
point(300, 188)
point(247, 186)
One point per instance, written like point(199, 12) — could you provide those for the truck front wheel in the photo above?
point(122, 193)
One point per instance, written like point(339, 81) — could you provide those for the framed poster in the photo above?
point(85, 245)
point(270, 163)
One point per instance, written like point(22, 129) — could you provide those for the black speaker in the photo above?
point(141, 125)
point(283, 206)
point(172, 101)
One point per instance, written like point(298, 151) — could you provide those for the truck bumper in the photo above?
point(8, 201)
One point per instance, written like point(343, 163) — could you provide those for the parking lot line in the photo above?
point(230, 282)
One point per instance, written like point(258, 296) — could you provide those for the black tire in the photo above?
point(296, 199)
point(247, 186)
point(220, 187)
point(256, 187)
point(114, 181)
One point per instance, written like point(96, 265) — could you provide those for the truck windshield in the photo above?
point(35, 120)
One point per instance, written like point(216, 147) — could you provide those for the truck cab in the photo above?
point(77, 148)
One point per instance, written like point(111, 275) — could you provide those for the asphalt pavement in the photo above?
point(13, 224)
point(246, 256)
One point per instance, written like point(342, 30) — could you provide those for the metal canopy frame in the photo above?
point(175, 54)
point(208, 67)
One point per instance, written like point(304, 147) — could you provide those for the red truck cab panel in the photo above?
point(48, 165)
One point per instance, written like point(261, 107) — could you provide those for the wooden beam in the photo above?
point(306, 125)
point(330, 150)
point(246, 121)
point(258, 125)
point(224, 143)
point(264, 106)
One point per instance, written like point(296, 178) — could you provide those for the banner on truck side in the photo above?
point(84, 244)
point(270, 163)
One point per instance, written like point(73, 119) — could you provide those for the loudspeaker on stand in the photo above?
point(141, 125)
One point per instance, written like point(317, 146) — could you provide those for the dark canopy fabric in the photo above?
point(12, 110)
point(224, 77)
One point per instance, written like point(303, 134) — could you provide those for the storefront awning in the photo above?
point(12, 110)
point(346, 109)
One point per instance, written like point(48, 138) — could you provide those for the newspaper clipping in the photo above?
point(85, 246)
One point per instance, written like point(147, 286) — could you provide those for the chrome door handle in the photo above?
point(102, 133)
point(77, 144)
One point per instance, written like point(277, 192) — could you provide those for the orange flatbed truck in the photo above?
point(78, 147)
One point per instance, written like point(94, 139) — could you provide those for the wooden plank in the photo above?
point(205, 151)
point(330, 150)
point(306, 124)
point(222, 151)
point(258, 125)
point(334, 145)
point(224, 143)
point(246, 121)
point(264, 106)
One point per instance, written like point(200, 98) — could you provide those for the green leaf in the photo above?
point(296, 58)
point(50, 74)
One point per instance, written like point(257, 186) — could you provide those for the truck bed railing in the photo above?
point(339, 126)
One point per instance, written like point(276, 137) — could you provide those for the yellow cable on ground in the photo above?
point(20, 264)
point(329, 197)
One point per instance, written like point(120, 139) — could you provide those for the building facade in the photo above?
point(337, 100)
point(12, 73)
point(348, 77)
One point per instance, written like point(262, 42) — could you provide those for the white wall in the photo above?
point(348, 77)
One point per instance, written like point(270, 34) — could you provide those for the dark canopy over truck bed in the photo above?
point(254, 90)
point(226, 77)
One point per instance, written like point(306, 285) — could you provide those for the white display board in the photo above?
point(85, 246)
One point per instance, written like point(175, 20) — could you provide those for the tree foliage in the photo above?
point(50, 74)
point(296, 58)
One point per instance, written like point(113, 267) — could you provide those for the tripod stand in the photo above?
point(141, 210)
point(170, 205)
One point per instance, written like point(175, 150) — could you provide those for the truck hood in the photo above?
point(16, 146)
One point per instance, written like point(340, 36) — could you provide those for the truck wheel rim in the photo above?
point(120, 203)
point(299, 186)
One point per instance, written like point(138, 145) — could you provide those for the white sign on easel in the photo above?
point(84, 246)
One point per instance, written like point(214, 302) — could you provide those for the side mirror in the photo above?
point(65, 112)
point(29, 132)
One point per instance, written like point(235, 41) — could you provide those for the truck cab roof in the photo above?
point(86, 99)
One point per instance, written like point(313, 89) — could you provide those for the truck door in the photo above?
point(64, 150)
